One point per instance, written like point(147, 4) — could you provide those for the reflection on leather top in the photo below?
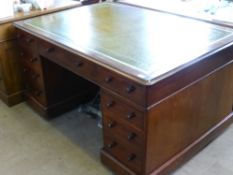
point(148, 42)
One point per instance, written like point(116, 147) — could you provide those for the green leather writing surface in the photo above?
point(142, 43)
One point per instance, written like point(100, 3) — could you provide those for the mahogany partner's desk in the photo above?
point(166, 81)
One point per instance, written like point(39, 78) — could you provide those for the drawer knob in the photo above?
point(111, 145)
point(131, 157)
point(131, 136)
point(131, 115)
point(18, 36)
point(27, 87)
point(25, 70)
point(33, 59)
point(108, 79)
point(49, 50)
point(111, 124)
point(35, 76)
point(110, 104)
point(79, 63)
point(29, 40)
point(130, 88)
point(37, 93)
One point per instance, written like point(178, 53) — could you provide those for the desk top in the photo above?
point(57, 6)
point(143, 45)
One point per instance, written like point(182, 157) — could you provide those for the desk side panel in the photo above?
point(187, 76)
point(185, 117)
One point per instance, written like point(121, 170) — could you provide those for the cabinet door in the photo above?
point(10, 67)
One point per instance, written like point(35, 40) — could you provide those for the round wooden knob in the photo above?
point(108, 79)
point(79, 63)
point(25, 70)
point(49, 50)
point(130, 115)
point(112, 145)
point(111, 124)
point(27, 87)
point(29, 40)
point(33, 59)
point(35, 76)
point(131, 157)
point(18, 36)
point(37, 93)
point(110, 104)
point(130, 88)
point(131, 136)
point(21, 54)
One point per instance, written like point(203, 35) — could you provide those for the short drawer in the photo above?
point(70, 61)
point(129, 158)
point(124, 133)
point(35, 92)
point(27, 42)
point(126, 142)
point(33, 77)
point(121, 85)
point(33, 64)
point(127, 114)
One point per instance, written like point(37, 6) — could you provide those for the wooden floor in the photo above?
point(69, 145)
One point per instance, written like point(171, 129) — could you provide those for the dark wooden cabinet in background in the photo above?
point(11, 84)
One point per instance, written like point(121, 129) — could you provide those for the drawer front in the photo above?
point(121, 85)
point(27, 43)
point(33, 64)
point(128, 157)
point(68, 60)
point(93, 72)
point(33, 77)
point(126, 114)
point(124, 133)
point(35, 92)
point(34, 86)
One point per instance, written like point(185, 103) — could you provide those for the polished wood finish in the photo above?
point(151, 122)
point(11, 79)
point(11, 86)
point(7, 32)
point(188, 75)
point(126, 114)
point(59, 90)
point(187, 115)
